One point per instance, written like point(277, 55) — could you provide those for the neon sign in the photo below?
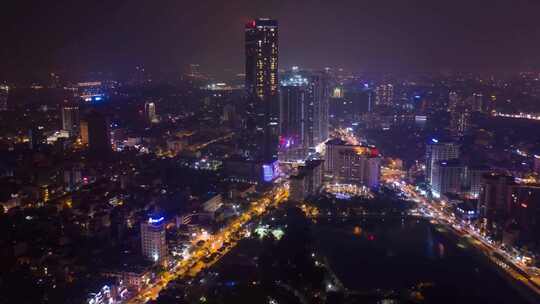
point(155, 220)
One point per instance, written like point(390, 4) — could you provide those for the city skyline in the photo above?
point(348, 178)
point(360, 36)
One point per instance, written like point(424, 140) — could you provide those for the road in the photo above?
point(216, 246)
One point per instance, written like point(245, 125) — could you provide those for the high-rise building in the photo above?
point(525, 212)
point(447, 177)
point(473, 179)
point(84, 132)
point(70, 119)
point(72, 177)
point(454, 101)
point(384, 95)
point(262, 58)
point(150, 112)
point(460, 121)
point(4, 92)
point(308, 181)
point(261, 41)
point(437, 150)
point(303, 114)
point(355, 164)
point(99, 137)
point(495, 200)
point(153, 242)
point(477, 102)
point(36, 137)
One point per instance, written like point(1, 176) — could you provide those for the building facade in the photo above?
point(447, 177)
point(262, 82)
point(70, 119)
point(303, 114)
point(384, 95)
point(153, 241)
point(308, 180)
point(353, 164)
point(438, 150)
point(99, 136)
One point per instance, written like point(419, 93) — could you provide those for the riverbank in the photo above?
point(394, 256)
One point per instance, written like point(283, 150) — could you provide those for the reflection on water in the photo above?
point(370, 254)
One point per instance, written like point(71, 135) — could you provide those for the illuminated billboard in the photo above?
point(270, 171)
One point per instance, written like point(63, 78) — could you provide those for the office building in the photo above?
point(91, 92)
point(153, 243)
point(384, 95)
point(99, 137)
point(352, 164)
point(261, 83)
point(454, 101)
point(447, 177)
point(150, 112)
point(477, 102)
point(437, 150)
point(303, 114)
point(70, 119)
point(72, 177)
point(525, 214)
point(460, 121)
point(473, 179)
point(495, 200)
point(509, 210)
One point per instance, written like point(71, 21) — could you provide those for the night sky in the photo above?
point(381, 35)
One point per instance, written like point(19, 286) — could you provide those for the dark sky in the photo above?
point(376, 35)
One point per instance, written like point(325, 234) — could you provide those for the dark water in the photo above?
point(399, 254)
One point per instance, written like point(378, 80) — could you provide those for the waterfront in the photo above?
point(393, 256)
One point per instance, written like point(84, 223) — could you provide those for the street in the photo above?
point(215, 247)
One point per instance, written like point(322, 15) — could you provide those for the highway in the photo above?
point(215, 247)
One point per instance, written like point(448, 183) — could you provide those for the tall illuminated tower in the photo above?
point(153, 243)
point(303, 113)
point(438, 150)
point(150, 112)
point(70, 119)
point(261, 38)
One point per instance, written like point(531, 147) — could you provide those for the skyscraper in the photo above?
point(496, 197)
point(303, 113)
point(438, 150)
point(153, 243)
point(460, 121)
point(384, 95)
point(70, 119)
point(99, 137)
point(150, 112)
point(84, 132)
point(454, 101)
point(262, 58)
point(261, 39)
point(447, 177)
